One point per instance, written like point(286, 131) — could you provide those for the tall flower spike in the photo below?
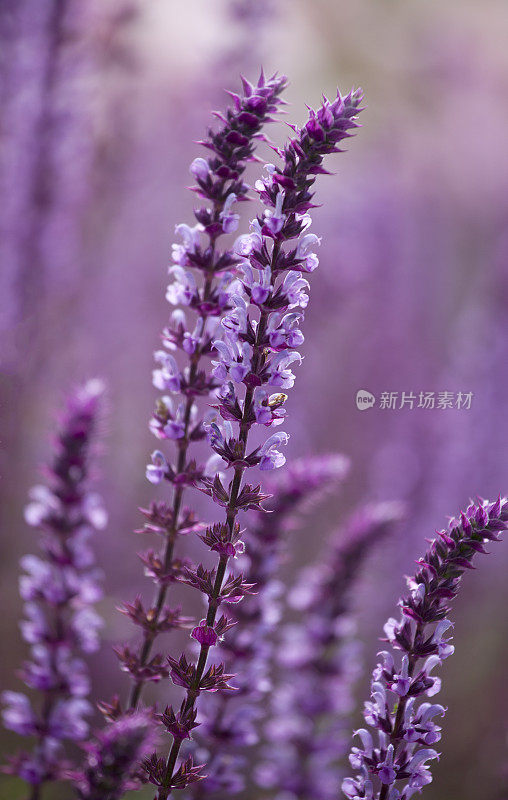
point(59, 588)
point(309, 713)
point(391, 762)
point(231, 719)
point(200, 277)
point(256, 357)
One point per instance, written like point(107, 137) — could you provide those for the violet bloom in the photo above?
point(391, 761)
point(318, 664)
point(59, 589)
point(112, 764)
point(255, 355)
point(200, 278)
point(231, 719)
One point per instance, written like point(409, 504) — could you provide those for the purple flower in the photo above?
point(274, 219)
point(157, 470)
point(66, 719)
point(271, 458)
point(58, 589)
point(204, 634)
point(309, 260)
point(396, 765)
point(113, 762)
point(200, 169)
point(182, 291)
point(181, 252)
point(229, 220)
point(18, 715)
point(168, 377)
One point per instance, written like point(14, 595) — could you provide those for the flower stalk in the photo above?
point(395, 766)
point(256, 354)
point(220, 183)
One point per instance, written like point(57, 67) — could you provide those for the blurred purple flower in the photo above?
point(318, 663)
point(230, 721)
point(59, 588)
point(113, 761)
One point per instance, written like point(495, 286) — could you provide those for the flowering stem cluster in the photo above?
point(59, 589)
point(394, 767)
point(201, 274)
point(230, 720)
point(305, 731)
point(261, 333)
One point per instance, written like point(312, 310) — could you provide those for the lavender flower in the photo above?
point(320, 654)
point(257, 351)
point(113, 761)
point(394, 766)
point(200, 277)
point(231, 719)
point(59, 589)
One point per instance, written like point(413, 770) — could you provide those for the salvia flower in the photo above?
point(113, 760)
point(59, 588)
point(309, 712)
point(230, 720)
point(200, 279)
point(247, 363)
point(392, 761)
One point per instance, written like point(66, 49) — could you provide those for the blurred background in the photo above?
point(101, 102)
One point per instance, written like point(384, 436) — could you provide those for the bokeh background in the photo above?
point(101, 102)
